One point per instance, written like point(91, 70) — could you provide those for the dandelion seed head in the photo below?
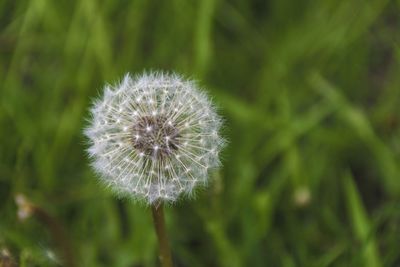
point(154, 137)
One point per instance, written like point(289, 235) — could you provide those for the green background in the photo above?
point(310, 91)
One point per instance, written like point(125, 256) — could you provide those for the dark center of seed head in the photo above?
point(155, 136)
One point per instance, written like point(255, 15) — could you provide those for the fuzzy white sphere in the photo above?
point(154, 137)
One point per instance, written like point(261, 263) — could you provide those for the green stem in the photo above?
point(159, 224)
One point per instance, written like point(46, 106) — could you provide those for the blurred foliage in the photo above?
point(311, 95)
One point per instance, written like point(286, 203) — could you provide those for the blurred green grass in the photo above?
point(311, 95)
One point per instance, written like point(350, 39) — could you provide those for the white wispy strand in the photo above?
point(154, 137)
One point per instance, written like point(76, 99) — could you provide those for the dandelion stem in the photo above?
point(159, 224)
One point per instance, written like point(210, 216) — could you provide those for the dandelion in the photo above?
point(154, 137)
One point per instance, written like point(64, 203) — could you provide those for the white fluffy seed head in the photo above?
point(154, 137)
